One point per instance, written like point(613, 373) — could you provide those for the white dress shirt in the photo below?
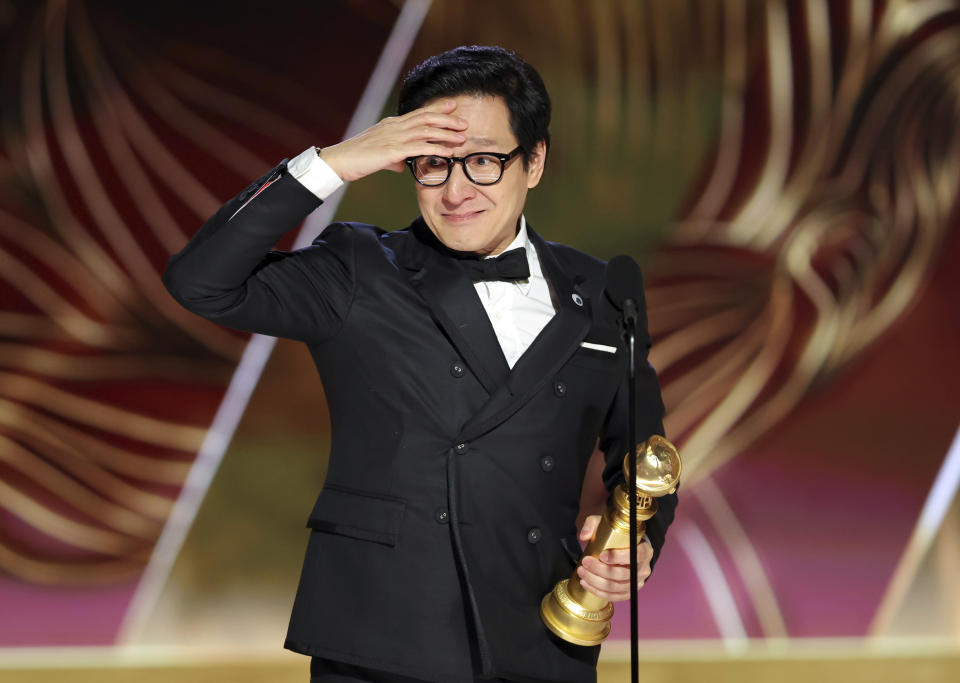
point(518, 310)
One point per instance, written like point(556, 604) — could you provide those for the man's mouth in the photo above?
point(462, 217)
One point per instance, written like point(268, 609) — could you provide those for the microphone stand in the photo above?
point(630, 336)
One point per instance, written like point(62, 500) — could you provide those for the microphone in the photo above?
point(623, 281)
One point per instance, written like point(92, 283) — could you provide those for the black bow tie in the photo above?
point(509, 266)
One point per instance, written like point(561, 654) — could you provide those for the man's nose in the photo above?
point(458, 187)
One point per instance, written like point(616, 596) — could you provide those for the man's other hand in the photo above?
point(608, 576)
point(432, 129)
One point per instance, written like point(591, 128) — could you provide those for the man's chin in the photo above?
point(456, 240)
point(466, 248)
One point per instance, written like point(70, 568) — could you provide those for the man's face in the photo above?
point(481, 218)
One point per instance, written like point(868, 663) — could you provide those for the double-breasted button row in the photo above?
point(457, 369)
point(461, 447)
point(534, 535)
point(547, 463)
point(441, 515)
point(560, 388)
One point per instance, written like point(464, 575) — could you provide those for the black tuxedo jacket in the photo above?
point(453, 485)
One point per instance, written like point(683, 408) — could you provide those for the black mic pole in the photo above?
point(630, 332)
point(624, 285)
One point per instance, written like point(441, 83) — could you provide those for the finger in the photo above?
point(620, 588)
point(603, 583)
point(435, 135)
point(608, 571)
point(615, 556)
point(589, 527)
point(437, 120)
point(447, 104)
point(612, 596)
point(443, 106)
point(428, 148)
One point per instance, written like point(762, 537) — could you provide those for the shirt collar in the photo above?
point(523, 240)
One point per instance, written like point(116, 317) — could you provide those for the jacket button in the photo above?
point(546, 463)
point(461, 447)
point(457, 370)
point(560, 389)
point(534, 535)
point(442, 516)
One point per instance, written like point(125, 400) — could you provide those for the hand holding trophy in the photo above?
point(569, 610)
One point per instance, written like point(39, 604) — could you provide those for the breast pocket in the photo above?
point(600, 350)
point(357, 514)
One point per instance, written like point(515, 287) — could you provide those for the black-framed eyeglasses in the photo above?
point(481, 168)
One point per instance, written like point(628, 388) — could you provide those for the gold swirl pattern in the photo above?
point(107, 386)
point(842, 218)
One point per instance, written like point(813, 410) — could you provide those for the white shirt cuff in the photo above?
point(314, 173)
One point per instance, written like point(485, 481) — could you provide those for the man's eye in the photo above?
point(481, 161)
point(436, 162)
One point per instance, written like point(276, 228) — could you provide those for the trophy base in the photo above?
point(571, 621)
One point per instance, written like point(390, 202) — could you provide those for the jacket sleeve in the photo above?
point(614, 433)
point(228, 274)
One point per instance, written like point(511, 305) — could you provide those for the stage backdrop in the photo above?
point(786, 172)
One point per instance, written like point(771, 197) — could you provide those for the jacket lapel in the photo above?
point(454, 305)
point(548, 352)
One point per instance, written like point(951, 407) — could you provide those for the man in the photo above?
point(464, 408)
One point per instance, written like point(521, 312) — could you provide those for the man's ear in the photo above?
point(535, 166)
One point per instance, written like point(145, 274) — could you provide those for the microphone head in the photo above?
point(623, 280)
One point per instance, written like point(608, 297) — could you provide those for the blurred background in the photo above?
point(785, 171)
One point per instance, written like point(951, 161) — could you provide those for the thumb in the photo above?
point(589, 527)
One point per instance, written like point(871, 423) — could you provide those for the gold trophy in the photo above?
point(569, 610)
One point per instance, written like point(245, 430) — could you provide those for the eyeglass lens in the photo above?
point(480, 168)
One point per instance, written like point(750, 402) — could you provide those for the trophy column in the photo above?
point(570, 611)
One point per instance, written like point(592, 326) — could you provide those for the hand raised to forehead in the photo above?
point(432, 129)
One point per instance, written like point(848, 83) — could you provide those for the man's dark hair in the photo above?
point(484, 70)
